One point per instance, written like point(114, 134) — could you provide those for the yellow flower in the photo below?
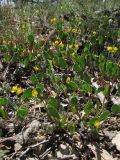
point(70, 46)
point(36, 68)
point(61, 45)
point(76, 46)
point(94, 33)
point(74, 30)
point(37, 12)
point(42, 40)
point(73, 54)
point(97, 123)
point(23, 26)
point(109, 49)
point(22, 54)
point(56, 42)
point(38, 55)
point(19, 90)
point(68, 79)
point(4, 42)
point(14, 88)
point(53, 61)
point(114, 49)
point(53, 20)
point(68, 30)
point(34, 93)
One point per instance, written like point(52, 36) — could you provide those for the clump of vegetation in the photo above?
point(64, 56)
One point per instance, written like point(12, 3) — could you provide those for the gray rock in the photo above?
point(116, 141)
point(31, 158)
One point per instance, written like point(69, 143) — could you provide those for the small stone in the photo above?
point(76, 137)
point(116, 141)
point(110, 134)
point(59, 155)
point(17, 147)
point(34, 158)
point(65, 149)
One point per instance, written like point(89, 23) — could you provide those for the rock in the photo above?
point(34, 158)
point(110, 134)
point(102, 97)
point(100, 94)
point(59, 155)
point(76, 137)
point(115, 99)
point(31, 128)
point(116, 141)
point(65, 149)
point(17, 147)
point(1, 66)
point(65, 157)
point(100, 154)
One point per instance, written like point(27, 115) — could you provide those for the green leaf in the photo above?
point(63, 121)
point(22, 112)
point(34, 79)
point(52, 109)
point(31, 57)
point(62, 63)
point(73, 99)
point(52, 102)
point(76, 67)
point(73, 85)
point(3, 113)
point(104, 115)
point(86, 49)
point(102, 67)
point(115, 108)
point(88, 107)
point(12, 104)
point(3, 101)
point(81, 62)
point(31, 39)
point(92, 121)
point(3, 153)
point(7, 57)
point(87, 77)
point(27, 94)
point(86, 87)
point(106, 90)
point(26, 62)
point(111, 68)
point(40, 88)
point(71, 126)
point(100, 40)
point(101, 58)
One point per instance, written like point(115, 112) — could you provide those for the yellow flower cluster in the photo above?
point(37, 12)
point(57, 43)
point(73, 46)
point(35, 68)
point(71, 30)
point(112, 49)
point(94, 33)
point(34, 93)
point(53, 20)
point(17, 89)
point(97, 123)
point(68, 79)
point(74, 30)
point(23, 26)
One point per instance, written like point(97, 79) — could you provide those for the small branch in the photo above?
point(42, 156)
point(32, 146)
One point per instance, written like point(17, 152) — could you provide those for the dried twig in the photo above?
point(42, 156)
point(32, 146)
